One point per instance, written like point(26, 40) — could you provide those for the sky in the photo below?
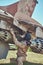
point(37, 14)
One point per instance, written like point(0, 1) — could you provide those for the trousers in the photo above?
point(20, 60)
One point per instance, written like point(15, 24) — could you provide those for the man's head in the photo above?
point(27, 36)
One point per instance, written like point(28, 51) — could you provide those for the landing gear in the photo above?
point(4, 47)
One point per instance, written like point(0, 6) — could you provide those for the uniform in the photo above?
point(22, 47)
point(21, 55)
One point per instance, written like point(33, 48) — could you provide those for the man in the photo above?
point(22, 47)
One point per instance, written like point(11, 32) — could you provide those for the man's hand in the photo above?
point(12, 31)
point(17, 43)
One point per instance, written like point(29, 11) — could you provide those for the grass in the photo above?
point(32, 58)
point(26, 63)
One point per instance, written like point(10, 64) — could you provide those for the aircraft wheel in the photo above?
point(4, 47)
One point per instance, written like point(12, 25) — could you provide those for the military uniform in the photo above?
point(22, 47)
point(21, 55)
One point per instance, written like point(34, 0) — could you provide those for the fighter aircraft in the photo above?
point(19, 18)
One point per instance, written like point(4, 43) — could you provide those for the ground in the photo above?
point(32, 58)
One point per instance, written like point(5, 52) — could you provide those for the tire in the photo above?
point(4, 47)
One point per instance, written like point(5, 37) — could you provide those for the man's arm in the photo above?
point(19, 44)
